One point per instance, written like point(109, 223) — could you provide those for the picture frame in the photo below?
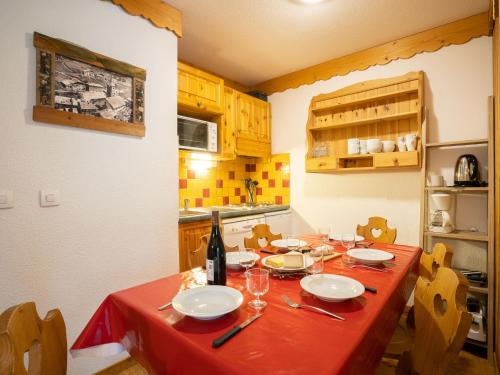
point(84, 89)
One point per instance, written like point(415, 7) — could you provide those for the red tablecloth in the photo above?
point(283, 341)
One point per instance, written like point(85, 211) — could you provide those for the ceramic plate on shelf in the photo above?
point(270, 262)
point(291, 241)
point(338, 237)
point(332, 288)
point(370, 257)
point(207, 302)
point(233, 258)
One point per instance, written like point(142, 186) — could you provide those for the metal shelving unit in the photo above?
point(488, 237)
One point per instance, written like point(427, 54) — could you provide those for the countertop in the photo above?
point(233, 212)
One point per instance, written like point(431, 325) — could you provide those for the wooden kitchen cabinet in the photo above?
point(199, 91)
point(189, 239)
point(253, 126)
point(227, 138)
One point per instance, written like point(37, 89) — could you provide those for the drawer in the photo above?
point(396, 159)
point(321, 164)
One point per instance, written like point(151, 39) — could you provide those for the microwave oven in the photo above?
point(195, 134)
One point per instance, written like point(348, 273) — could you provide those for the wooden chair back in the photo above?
point(429, 263)
point(198, 257)
point(261, 231)
point(442, 323)
point(21, 331)
point(376, 223)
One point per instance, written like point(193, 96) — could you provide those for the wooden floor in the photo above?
point(466, 364)
point(126, 367)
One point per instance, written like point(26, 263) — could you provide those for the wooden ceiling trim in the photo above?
point(157, 12)
point(457, 32)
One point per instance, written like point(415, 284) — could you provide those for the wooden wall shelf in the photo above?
point(460, 235)
point(459, 189)
point(469, 142)
point(384, 109)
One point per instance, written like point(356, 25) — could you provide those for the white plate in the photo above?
point(338, 237)
point(291, 241)
point(307, 260)
point(332, 288)
point(370, 257)
point(207, 302)
point(233, 258)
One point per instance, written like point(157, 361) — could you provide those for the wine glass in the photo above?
point(257, 285)
point(324, 233)
point(292, 243)
point(246, 258)
point(348, 241)
point(316, 255)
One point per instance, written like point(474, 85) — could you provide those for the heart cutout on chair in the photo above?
point(376, 232)
point(440, 305)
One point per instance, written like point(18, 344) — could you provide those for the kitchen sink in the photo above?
point(184, 213)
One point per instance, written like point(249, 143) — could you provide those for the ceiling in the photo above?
point(250, 41)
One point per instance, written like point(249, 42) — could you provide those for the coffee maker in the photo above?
point(441, 217)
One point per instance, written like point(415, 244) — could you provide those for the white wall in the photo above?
point(117, 224)
point(458, 83)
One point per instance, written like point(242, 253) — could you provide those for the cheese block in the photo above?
point(276, 261)
point(293, 261)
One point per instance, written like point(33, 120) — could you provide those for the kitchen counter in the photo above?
point(233, 212)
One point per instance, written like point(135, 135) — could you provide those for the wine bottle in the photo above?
point(216, 255)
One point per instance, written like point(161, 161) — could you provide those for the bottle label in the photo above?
point(210, 270)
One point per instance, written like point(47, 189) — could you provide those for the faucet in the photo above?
point(186, 204)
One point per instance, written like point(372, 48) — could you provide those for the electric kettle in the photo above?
point(467, 171)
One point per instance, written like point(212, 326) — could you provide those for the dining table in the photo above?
point(283, 341)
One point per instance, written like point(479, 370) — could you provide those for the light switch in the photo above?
point(49, 198)
point(6, 199)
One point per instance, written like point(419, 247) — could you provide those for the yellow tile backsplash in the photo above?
point(222, 182)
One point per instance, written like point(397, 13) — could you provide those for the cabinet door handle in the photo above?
point(321, 164)
point(395, 160)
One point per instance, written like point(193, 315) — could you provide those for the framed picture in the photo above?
point(80, 88)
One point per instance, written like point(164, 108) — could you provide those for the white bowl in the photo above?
point(371, 257)
point(233, 258)
point(207, 302)
point(374, 145)
point(388, 146)
point(294, 242)
point(332, 288)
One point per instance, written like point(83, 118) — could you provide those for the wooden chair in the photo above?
point(403, 337)
point(22, 330)
point(376, 223)
point(261, 231)
point(443, 324)
point(197, 257)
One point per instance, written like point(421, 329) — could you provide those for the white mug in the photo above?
point(353, 146)
point(362, 146)
point(388, 146)
point(436, 180)
point(401, 143)
point(411, 142)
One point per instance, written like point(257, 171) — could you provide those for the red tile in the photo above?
point(198, 202)
point(286, 183)
point(258, 191)
point(243, 199)
point(278, 199)
point(191, 174)
point(183, 183)
point(277, 166)
point(225, 200)
point(272, 183)
point(231, 175)
point(206, 193)
point(219, 184)
point(237, 191)
point(250, 167)
point(265, 175)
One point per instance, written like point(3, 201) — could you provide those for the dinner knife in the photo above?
point(370, 289)
point(233, 331)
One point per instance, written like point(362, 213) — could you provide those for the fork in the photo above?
point(353, 265)
point(296, 305)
